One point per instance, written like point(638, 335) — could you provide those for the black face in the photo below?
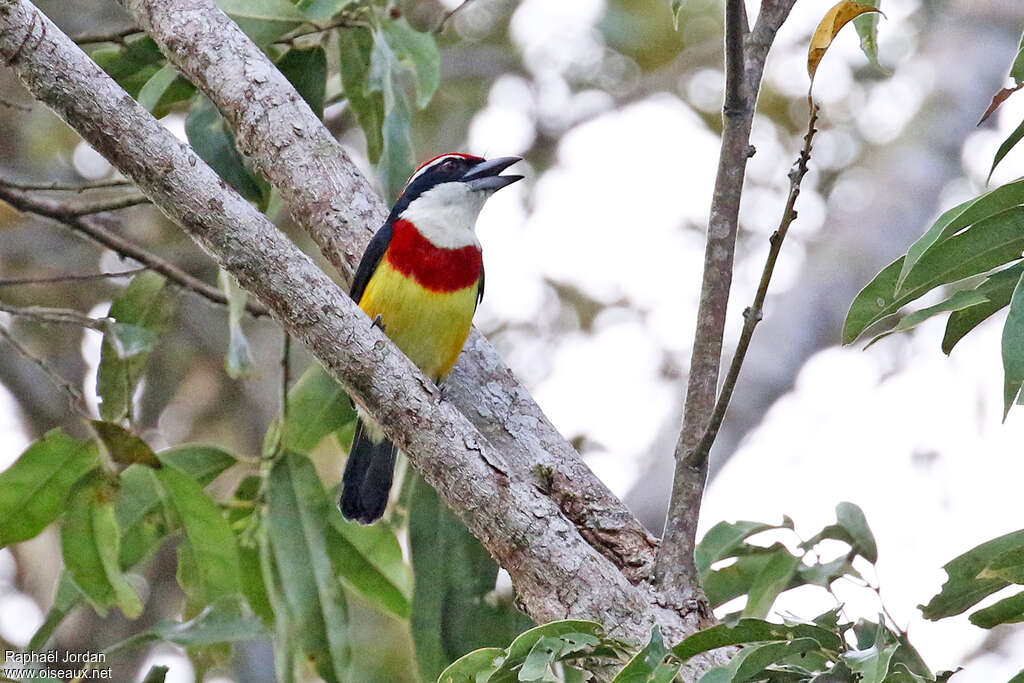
point(446, 169)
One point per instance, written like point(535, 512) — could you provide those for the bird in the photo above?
point(420, 280)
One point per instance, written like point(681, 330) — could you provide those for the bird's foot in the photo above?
point(378, 321)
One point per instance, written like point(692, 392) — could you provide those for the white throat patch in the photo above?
point(446, 214)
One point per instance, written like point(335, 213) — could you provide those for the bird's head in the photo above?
point(445, 195)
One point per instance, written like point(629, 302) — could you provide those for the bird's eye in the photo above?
point(450, 166)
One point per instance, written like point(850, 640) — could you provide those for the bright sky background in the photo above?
point(911, 436)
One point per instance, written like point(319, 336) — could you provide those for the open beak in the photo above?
point(486, 176)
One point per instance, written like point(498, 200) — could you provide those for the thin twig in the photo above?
point(75, 397)
point(341, 22)
point(59, 316)
point(753, 313)
point(93, 227)
point(106, 36)
point(6, 282)
point(65, 187)
point(104, 205)
point(449, 14)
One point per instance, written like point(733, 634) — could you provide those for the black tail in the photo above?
point(367, 480)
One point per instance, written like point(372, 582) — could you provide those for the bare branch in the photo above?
point(96, 229)
point(106, 36)
point(64, 187)
point(340, 210)
point(676, 573)
point(75, 398)
point(60, 316)
point(449, 14)
point(53, 279)
point(104, 205)
point(14, 105)
point(697, 459)
point(555, 571)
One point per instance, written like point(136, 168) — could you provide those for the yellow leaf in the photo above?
point(833, 22)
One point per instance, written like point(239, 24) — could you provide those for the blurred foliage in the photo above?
point(976, 248)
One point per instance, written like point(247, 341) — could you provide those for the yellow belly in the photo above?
point(429, 327)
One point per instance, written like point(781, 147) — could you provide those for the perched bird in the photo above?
point(420, 280)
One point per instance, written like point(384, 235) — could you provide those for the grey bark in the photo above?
point(340, 210)
point(556, 572)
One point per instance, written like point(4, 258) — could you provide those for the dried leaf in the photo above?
point(998, 99)
point(833, 22)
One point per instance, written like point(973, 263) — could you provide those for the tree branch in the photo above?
point(339, 209)
point(75, 399)
point(557, 574)
point(676, 573)
point(697, 459)
point(95, 228)
point(74, 277)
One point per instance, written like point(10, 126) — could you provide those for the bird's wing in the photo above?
point(371, 259)
point(480, 286)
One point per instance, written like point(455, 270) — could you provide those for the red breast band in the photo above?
point(434, 268)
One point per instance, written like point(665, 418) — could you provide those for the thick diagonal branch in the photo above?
point(339, 209)
point(745, 54)
point(556, 572)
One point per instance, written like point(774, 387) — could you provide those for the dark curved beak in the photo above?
point(487, 174)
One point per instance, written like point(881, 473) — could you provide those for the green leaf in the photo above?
point(474, 666)
point(213, 141)
point(957, 302)
point(825, 573)
point(320, 11)
point(872, 664)
point(306, 69)
point(164, 90)
point(238, 362)
point(1007, 611)
point(540, 661)
point(33, 490)
point(68, 598)
point(997, 289)
point(209, 551)
point(959, 217)
point(750, 631)
point(751, 662)
point(225, 621)
point(130, 340)
point(300, 536)
point(145, 303)
point(851, 518)
point(202, 463)
point(1013, 348)
point(397, 158)
point(772, 580)
point(356, 48)
point(454, 575)
point(649, 665)
point(1017, 70)
point(963, 588)
point(416, 52)
point(369, 558)
point(132, 65)
point(317, 406)
point(264, 21)
point(254, 585)
point(724, 538)
point(989, 243)
point(156, 674)
point(140, 514)
point(723, 585)
point(1009, 143)
point(124, 447)
point(91, 546)
point(1008, 565)
point(867, 29)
